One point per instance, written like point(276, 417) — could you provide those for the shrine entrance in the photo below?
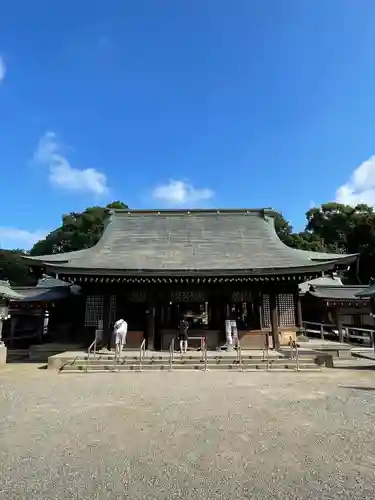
point(206, 311)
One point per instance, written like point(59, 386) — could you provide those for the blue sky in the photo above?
point(183, 103)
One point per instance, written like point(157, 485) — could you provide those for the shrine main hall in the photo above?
point(152, 266)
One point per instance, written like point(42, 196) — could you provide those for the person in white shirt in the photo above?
point(120, 331)
point(231, 327)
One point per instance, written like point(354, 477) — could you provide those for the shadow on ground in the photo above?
point(357, 388)
point(356, 368)
point(23, 359)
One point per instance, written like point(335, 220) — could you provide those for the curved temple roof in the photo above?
point(368, 291)
point(6, 292)
point(321, 281)
point(188, 242)
point(334, 292)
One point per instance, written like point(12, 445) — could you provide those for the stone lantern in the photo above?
point(6, 294)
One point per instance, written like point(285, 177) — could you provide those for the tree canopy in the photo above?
point(346, 229)
point(332, 227)
point(78, 230)
point(15, 269)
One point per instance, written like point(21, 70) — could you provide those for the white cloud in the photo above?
point(11, 237)
point(181, 193)
point(361, 186)
point(62, 174)
point(3, 69)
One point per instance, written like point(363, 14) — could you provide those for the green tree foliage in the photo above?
point(336, 228)
point(302, 240)
point(78, 230)
point(332, 227)
point(15, 269)
point(346, 229)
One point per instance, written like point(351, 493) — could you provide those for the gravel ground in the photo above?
point(214, 435)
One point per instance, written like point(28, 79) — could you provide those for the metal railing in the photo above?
point(204, 347)
point(331, 330)
point(266, 356)
point(92, 348)
point(117, 356)
point(171, 353)
point(201, 338)
point(239, 354)
point(294, 354)
point(142, 353)
point(297, 359)
point(94, 343)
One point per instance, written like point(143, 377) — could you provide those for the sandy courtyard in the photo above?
point(214, 435)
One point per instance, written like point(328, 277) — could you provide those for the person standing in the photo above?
point(231, 331)
point(120, 331)
point(183, 334)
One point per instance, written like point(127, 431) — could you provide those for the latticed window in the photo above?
point(187, 296)
point(285, 309)
point(137, 296)
point(241, 296)
point(266, 310)
point(94, 310)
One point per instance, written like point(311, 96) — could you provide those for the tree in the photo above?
point(302, 240)
point(78, 230)
point(283, 229)
point(15, 269)
point(346, 229)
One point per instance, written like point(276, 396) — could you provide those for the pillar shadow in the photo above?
point(357, 388)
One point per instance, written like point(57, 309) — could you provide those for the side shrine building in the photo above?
point(150, 267)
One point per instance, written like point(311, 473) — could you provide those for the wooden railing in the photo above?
point(349, 333)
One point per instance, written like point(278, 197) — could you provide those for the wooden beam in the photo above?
point(274, 321)
point(183, 279)
point(150, 326)
point(298, 309)
point(107, 332)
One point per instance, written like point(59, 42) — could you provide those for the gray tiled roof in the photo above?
point(368, 291)
point(49, 282)
point(319, 256)
point(321, 281)
point(7, 292)
point(332, 292)
point(189, 241)
point(39, 294)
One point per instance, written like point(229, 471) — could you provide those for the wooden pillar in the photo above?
point(274, 321)
point(107, 333)
point(258, 303)
point(150, 326)
point(298, 309)
point(13, 325)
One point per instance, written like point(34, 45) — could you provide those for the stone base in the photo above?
point(3, 355)
point(41, 352)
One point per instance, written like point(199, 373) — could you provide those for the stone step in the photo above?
point(158, 362)
point(110, 357)
point(14, 355)
point(165, 367)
